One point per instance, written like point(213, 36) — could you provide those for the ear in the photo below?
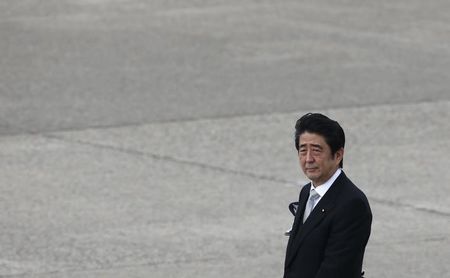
point(339, 155)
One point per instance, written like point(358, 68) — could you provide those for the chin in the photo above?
point(312, 177)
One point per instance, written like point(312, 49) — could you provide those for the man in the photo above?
point(333, 219)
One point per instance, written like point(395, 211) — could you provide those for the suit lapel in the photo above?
point(320, 211)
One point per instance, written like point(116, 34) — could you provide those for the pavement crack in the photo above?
point(417, 208)
point(172, 159)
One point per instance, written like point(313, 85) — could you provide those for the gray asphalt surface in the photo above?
point(154, 139)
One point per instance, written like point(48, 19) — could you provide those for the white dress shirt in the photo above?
point(323, 188)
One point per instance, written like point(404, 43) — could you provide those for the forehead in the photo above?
point(307, 138)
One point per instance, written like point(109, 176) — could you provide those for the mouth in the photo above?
point(311, 169)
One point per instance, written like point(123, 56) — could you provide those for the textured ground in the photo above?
point(154, 139)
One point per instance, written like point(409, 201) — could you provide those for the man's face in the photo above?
point(315, 158)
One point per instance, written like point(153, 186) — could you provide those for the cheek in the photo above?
point(329, 165)
point(302, 162)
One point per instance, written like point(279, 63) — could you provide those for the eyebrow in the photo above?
point(313, 145)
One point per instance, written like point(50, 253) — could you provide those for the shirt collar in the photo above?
point(323, 188)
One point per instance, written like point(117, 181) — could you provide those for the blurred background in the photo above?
point(155, 138)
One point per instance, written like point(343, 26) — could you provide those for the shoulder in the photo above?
point(305, 189)
point(351, 197)
point(348, 188)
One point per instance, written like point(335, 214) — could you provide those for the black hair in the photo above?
point(322, 125)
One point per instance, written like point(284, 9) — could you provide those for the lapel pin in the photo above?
point(323, 210)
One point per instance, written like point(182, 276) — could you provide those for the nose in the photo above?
point(309, 157)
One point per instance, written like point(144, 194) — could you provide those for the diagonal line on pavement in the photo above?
point(171, 159)
point(230, 171)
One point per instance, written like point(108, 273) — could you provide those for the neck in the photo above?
point(324, 180)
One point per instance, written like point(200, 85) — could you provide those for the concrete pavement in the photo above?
point(209, 198)
point(155, 139)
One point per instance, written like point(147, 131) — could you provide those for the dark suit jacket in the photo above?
point(331, 242)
